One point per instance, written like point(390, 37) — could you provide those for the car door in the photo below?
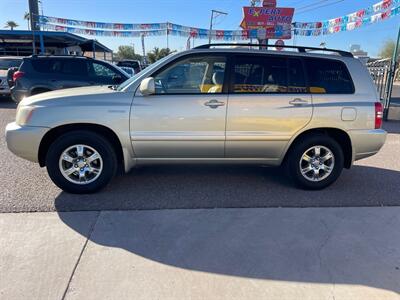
point(186, 116)
point(268, 104)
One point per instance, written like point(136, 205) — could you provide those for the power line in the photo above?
point(314, 8)
point(312, 4)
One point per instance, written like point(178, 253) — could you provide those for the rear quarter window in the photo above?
point(46, 65)
point(328, 76)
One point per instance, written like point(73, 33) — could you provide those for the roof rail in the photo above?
point(60, 55)
point(301, 49)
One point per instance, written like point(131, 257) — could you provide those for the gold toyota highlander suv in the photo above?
point(313, 113)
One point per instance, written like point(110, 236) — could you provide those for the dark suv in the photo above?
point(39, 74)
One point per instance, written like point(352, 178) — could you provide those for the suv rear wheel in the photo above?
point(315, 162)
point(81, 162)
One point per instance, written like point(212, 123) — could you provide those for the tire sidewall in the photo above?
point(96, 141)
point(293, 166)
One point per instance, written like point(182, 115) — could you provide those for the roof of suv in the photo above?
point(250, 49)
point(300, 49)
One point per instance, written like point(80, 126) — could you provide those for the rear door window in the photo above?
point(297, 80)
point(260, 74)
point(328, 76)
point(74, 67)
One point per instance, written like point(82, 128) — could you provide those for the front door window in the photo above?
point(196, 75)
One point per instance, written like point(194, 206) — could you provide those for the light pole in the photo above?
point(217, 14)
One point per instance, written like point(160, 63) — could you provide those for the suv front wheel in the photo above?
point(315, 162)
point(81, 162)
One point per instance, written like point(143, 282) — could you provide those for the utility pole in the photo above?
point(144, 50)
point(34, 14)
point(217, 14)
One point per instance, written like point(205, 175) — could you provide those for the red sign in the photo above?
point(276, 22)
point(279, 44)
point(269, 3)
point(262, 17)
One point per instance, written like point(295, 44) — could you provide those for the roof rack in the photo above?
point(301, 49)
point(60, 55)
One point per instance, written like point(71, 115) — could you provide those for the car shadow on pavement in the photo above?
point(186, 187)
point(333, 246)
point(7, 103)
point(353, 246)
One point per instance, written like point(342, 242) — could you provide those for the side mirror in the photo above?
point(148, 87)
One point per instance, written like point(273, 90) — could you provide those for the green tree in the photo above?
point(157, 54)
point(11, 25)
point(127, 52)
point(387, 49)
point(27, 18)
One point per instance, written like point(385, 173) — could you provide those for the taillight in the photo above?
point(18, 75)
point(378, 115)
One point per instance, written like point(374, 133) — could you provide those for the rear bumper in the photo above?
point(18, 95)
point(24, 141)
point(367, 142)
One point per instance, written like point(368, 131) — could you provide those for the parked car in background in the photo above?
point(38, 74)
point(129, 70)
point(10, 75)
point(7, 63)
point(314, 114)
point(134, 64)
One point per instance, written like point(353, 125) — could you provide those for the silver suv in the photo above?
point(312, 113)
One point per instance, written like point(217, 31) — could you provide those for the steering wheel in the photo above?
point(161, 85)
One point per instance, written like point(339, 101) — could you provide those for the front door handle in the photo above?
point(298, 102)
point(214, 103)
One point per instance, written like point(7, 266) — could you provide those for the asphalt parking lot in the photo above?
point(25, 187)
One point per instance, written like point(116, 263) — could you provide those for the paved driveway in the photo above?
point(372, 182)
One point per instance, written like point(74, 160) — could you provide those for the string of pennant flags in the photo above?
point(378, 12)
point(152, 29)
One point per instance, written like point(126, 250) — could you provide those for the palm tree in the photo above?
point(27, 17)
point(11, 25)
point(158, 53)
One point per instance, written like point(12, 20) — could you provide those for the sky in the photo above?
point(196, 13)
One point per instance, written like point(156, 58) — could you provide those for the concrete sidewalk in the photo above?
point(290, 253)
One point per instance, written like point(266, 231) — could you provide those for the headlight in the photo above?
point(24, 114)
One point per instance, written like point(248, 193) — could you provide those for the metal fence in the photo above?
point(380, 72)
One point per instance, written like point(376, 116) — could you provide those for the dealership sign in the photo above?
point(275, 21)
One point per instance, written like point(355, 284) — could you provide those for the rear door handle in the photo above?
point(214, 103)
point(298, 102)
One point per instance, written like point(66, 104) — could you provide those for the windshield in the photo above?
point(136, 76)
point(5, 64)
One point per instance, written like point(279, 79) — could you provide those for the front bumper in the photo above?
point(24, 141)
point(367, 142)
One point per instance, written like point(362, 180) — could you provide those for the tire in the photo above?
point(92, 143)
point(328, 171)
